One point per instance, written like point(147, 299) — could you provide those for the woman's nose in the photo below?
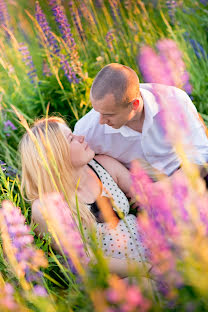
point(80, 138)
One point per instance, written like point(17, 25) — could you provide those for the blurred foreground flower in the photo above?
point(166, 67)
point(7, 300)
point(175, 215)
point(4, 15)
point(23, 257)
point(125, 298)
point(64, 230)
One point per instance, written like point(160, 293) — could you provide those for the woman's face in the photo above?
point(80, 152)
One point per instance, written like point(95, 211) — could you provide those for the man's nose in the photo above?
point(102, 120)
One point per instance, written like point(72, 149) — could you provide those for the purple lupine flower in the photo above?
point(122, 297)
point(161, 255)
point(51, 43)
point(46, 69)
point(64, 26)
point(7, 301)
point(68, 70)
point(28, 259)
point(40, 291)
point(167, 67)
point(140, 183)
point(76, 19)
point(4, 15)
point(152, 67)
point(62, 223)
point(86, 13)
point(74, 66)
point(109, 38)
point(171, 5)
point(172, 57)
point(204, 2)
point(155, 199)
point(99, 3)
point(8, 126)
point(52, 3)
point(27, 59)
point(8, 170)
point(2, 165)
point(114, 8)
point(198, 49)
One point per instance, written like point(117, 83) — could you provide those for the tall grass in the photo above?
point(50, 60)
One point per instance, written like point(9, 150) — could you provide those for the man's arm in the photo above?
point(119, 173)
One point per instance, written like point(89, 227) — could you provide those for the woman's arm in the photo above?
point(124, 267)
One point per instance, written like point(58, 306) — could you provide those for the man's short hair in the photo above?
point(116, 79)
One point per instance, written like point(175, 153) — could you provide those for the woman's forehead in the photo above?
point(65, 129)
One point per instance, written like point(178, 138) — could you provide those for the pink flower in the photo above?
point(166, 67)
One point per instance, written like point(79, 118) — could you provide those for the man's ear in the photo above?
point(135, 104)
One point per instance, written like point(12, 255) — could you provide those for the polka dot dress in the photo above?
point(123, 241)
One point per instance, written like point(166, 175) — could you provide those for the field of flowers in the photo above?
point(50, 52)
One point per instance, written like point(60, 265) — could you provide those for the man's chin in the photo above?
point(116, 127)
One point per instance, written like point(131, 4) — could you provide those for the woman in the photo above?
point(55, 159)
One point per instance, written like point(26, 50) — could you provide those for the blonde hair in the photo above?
point(46, 165)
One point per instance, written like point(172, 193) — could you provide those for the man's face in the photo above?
point(111, 114)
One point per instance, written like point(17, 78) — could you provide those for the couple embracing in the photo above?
point(123, 126)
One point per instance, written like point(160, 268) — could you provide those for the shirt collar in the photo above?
point(151, 108)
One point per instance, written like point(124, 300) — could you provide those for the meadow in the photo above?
point(50, 52)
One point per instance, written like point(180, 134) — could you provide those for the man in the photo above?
point(125, 122)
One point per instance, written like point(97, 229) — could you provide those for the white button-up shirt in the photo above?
point(150, 147)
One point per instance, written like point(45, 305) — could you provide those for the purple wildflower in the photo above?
point(99, 3)
point(167, 67)
point(7, 301)
point(198, 49)
point(68, 70)
point(40, 291)
point(46, 69)
point(74, 66)
point(27, 59)
point(52, 3)
point(114, 8)
point(152, 67)
point(64, 26)
point(204, 2)
point(76, 19)
point(51, 43)
point(124, 297)
point(27, 259)
point(172, 57)
point(161, 255)
point(109, 38)
point(2, 165)
point(8, 170)
point(63, 224)
point(86, 13)
point(8, 127)
point(4, 16)
point(171, 5)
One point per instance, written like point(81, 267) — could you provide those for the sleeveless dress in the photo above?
point(123, 241)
